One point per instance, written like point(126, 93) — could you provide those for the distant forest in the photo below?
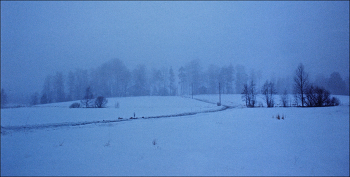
point(114, 79)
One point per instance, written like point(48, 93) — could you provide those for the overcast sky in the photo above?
point(40, 38)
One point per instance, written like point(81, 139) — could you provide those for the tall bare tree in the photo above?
point(269, 91)
point(249, 94)
point(301, 82)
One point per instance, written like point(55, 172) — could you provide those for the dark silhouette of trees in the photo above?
point(249, 94)
point(301, 82)
point(268, 90)
point(53, 89)
point(59, 94)
point(159, 83)
point(252, 92)
point(111, 79)
point(191, 78)
point(245, 95)
point(162, 82)
point(194, 74)
point(140, 85)
point(319, 97)
point(88, 98)
point(100, 102)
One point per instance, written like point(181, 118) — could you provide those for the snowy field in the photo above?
point(235, 141)
point(141, 106)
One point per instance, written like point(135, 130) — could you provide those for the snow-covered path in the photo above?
point(5, 130)
point(239, 141)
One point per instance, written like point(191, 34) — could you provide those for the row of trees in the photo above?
point(114, 79)
point(193, 80)
point(309, 94)
point(305, 92)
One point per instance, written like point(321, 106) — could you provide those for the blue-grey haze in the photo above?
point(40, 38)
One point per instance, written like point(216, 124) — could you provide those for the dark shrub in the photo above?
point(334, 102)
point(100, 102)
point(317, 97)
point(75, 105)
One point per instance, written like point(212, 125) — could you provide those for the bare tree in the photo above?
point(245, 95)
point(87, 101)
point(249, 94)
point(252, 92)
point(301, 82)
point(101, 102)
point(269, 91)
point(284, 98)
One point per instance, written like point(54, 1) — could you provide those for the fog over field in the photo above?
point(39, 39)
point(174, 88)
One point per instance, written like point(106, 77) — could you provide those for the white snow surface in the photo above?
point(236, 141)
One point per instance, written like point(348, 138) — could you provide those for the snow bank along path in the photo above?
point(5, 129)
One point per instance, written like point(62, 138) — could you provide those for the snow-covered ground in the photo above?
point(236, 141)
point(142, 107)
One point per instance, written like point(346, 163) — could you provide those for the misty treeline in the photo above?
point(111, 79)
point(115, 79)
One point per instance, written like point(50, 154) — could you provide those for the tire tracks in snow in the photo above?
point(5, 130)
